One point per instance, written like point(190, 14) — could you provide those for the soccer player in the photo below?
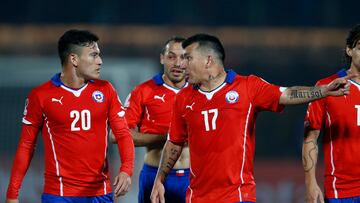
point(73, 110)
point(339, 120)
point(216, 116)
point(148, 109)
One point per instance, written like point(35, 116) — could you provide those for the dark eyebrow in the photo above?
point(170, 52)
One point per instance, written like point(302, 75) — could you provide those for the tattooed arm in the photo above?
point(170, 155)
point(300, 95)
point(309, 156)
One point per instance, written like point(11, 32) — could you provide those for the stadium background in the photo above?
point(285, 42)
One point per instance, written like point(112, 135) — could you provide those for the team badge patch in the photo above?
point(232, 97)
point(98, 96)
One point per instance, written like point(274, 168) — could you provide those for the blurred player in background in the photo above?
point(339, 119)
point(148, 113)
point(216, 116)
point(74, 110)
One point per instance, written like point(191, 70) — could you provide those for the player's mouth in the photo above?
point(177, 71)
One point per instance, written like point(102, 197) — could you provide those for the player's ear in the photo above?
point(162, 59)
point(74, 59)
point(349, 51)
point(209, 61)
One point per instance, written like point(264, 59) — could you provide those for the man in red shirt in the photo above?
point(148, 113)
point(339, 119)
point(73, 110)
point(216, 116)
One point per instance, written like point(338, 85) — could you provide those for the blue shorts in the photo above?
point(343, 200)
point(175, 185)
point(48, 198)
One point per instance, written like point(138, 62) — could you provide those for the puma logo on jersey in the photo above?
point(161, 98)
point(57, 100)
point(190, 106)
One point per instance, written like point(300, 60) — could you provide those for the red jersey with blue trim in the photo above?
point(74, 127)
point(220, 129)
point(339, 119)
point(149, 106)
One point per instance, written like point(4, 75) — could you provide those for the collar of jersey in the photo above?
point(342, 73)
point(230, 76)
point(158, 79)
point(57, 82)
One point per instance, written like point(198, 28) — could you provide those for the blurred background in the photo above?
point(285, 42)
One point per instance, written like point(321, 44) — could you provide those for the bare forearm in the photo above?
point(145, 139)
point(170, 155)
point(300, 95)
point(310, 155)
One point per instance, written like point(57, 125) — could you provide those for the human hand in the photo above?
point(313, 194)
point(339, 86)
point(122, 184)
point(158, 192)
point(12, 201)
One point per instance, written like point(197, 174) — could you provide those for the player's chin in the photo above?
point(178, 78)
point(94, 76)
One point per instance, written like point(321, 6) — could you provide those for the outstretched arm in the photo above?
point(309, 156)
point(170, 155)
point(300, 95)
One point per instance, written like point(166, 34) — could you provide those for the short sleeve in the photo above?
point(263, 95)
point(178, 129)
point(134, 107)
point(315, 114)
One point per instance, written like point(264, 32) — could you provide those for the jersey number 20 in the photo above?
point(84, 118)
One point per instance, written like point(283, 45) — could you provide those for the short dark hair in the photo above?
point(351, 40)
point(70, 41)
point(176, 39)
point(209, 41)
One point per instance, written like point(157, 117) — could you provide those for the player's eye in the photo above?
point(94, 54)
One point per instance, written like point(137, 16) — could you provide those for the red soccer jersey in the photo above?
point(74, 128)
point(339, 119)
point(220, 129)
point(149, 106)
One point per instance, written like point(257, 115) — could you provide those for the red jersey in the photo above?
point(149, 106)
point(220, 129)
point(339, 119)
point(74, 127)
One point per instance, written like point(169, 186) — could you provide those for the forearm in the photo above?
point(126, 150)
point(301, 94)
point(170, 155)
point(22, 160)
point(310, 155)
point(146, 139)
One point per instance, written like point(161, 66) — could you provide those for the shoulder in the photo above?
point(149, 84)
point(190, 89)
point(101, 83)
point(43, 88)
point(327, 80)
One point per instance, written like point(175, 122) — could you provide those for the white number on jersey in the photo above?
point(206, 119)
point(358, 114)
point(83, 116)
